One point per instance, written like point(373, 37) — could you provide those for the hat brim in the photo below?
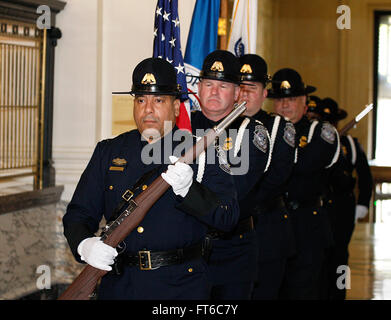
point(133, 93)
point(220, 76)
point(265, 79)
point(154, 92)
point(341, 114)
point(281, 94)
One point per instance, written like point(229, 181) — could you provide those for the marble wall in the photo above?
point(34, 252)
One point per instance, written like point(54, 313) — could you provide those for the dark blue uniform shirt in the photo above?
point(115, 166)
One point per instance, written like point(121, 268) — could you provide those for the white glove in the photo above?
point(96, 253)
point(361, 212)
point(179, 176)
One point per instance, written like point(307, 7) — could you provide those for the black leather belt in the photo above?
point(151, 260)
point(245, 225)
point(310, 203)
point(273, 205)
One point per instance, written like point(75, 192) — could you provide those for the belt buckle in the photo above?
point(127, 195)
point(142, 262)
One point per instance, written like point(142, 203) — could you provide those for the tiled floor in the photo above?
point(370, 262)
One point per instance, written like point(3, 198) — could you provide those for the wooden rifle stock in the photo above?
point(352, 123)
point(83, 286)
point(347, 127)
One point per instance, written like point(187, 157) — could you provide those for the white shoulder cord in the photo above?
point(271, 144)
point(274, 132)
point(239, 138)
point(353, 147)
point(201, 164)
point(336, 155)
point(312, 129)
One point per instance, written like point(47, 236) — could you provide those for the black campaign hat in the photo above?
point(314, 104)
point(288, 83)
point(154, 76)
point(253, 68)
point(331, 111)
point(220, 65)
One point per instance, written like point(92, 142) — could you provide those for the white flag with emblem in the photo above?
point(243, 34)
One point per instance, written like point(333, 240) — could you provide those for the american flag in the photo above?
point(167, 45)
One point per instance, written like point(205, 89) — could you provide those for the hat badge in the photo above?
point(312, 104)
point(149, 78)
point(327, 110)
point(285, 85)
point(246, 68)
point(217, 66)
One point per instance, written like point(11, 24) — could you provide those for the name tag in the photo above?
point(112, 168)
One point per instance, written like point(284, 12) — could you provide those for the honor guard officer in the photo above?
point(245, 153)
point(344, 210)
point(314, 108)
point(266, 202)
point(317, 150)
point(162, 257)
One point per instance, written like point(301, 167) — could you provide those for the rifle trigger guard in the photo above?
point(121, 246)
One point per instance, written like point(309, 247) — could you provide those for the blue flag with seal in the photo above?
point(202, 39)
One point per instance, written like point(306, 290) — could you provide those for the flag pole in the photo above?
point(223, 25)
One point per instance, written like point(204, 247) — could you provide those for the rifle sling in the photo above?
point(125, 200)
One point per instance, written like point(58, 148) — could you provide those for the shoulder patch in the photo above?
point(328, 133)
point(260, 139)
point(290, 134)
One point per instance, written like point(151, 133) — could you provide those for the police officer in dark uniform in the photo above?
point(245, 153)
point(343, 208)
point(162, 257)
point(274, 231)
point(317, 151)
point(314, 108)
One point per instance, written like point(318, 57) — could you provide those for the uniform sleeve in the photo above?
point(214, 200)
point(321, 151)
point(86, 208)
point(340, 179)
point(365, 180)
